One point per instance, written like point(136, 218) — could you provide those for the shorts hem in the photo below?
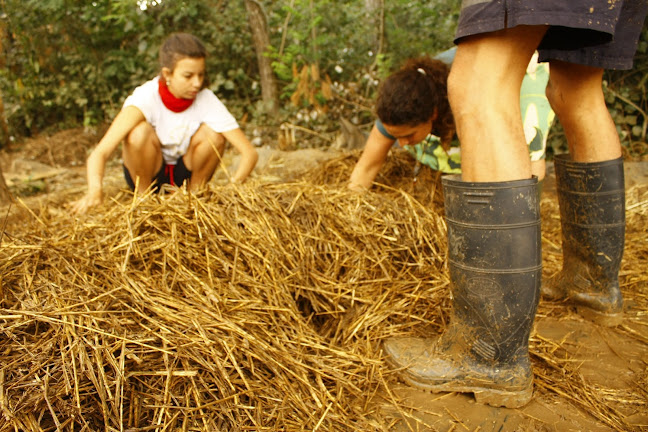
point(573, 21)
point(589, 58)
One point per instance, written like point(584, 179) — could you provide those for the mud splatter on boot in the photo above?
point(591, 197)
point(495, 268)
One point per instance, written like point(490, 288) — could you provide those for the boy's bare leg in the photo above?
point(142, 155)
point(203, 156)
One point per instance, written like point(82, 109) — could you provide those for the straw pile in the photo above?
point(400, 173)
point(246, 308)
point(255, 307)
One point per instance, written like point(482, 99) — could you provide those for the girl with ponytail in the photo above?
point(412, 109)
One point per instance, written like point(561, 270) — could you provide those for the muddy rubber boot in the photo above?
point(591, 197)
point(495, 267)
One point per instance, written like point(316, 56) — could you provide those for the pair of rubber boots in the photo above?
point(495, 265)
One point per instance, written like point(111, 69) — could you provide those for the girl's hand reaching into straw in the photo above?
point(88, 201)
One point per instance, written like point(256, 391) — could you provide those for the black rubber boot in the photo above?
point(591, 197)
point(495, 268)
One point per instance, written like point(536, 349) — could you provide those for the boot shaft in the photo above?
point(495, 263)
point(495, 267)
point(591, 197)
point(592, 216)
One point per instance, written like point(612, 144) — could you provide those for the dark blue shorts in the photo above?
point(598, 33)
point(174, 175)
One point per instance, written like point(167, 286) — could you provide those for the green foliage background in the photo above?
point(67, 63)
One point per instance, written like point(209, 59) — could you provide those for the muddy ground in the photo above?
point(611, 362)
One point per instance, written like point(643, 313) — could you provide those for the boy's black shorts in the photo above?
point(174, 175)
point(599, 33)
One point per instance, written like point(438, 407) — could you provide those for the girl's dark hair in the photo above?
point(181, 45)
point(410, 96)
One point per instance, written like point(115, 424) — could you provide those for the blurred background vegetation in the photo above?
point(71, 63)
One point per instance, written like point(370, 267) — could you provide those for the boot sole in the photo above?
point(483, 395)
point(605, 319)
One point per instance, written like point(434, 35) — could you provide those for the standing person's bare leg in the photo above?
point(484, 93)
point(576, 96)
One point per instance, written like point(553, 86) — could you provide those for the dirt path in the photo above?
point(608, 361)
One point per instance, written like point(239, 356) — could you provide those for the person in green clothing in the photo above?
point(413, 110)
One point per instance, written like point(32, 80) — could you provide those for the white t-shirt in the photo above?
point(176, 129)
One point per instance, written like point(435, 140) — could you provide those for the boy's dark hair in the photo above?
point(178, 46)
point(411, 95)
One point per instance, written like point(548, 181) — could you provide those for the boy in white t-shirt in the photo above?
point(174, 129)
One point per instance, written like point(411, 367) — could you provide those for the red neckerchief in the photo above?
point(171, 102)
